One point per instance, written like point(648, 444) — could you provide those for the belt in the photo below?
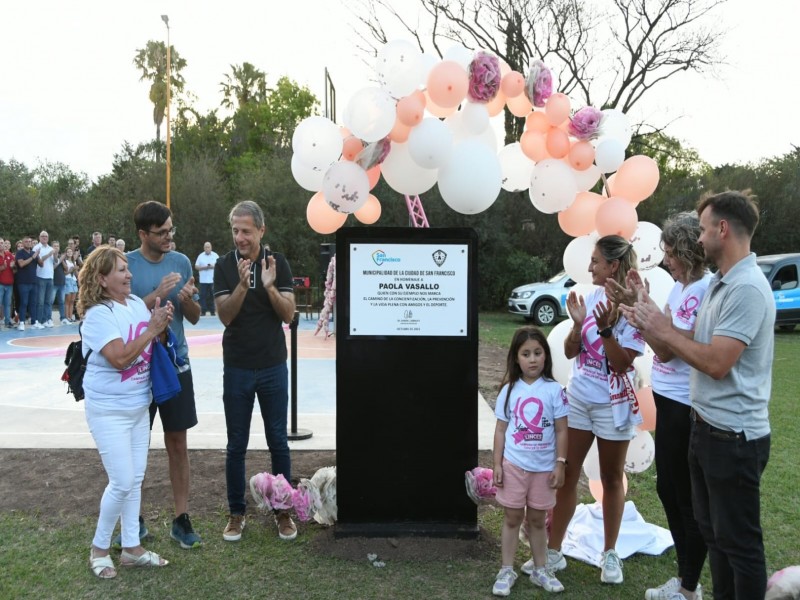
point(697, 419)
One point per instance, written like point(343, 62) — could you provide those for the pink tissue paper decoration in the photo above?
point(374, 153)
point(281, 497)
point(324, 481)
point(330, 299)
point(261, 490)
point(585, 123)
point(479, 484)
point(305, 500)
point(784, 584)
point(538, 84)
point(484, 77)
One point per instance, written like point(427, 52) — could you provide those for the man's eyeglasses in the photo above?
point(163, 233)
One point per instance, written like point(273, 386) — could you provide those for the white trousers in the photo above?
point(122, 437)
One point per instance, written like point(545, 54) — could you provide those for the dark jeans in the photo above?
point(674, 486)
point(27, 301)
point(726, 473)
point(239, 389)
point(207, 298)
point(58, 291)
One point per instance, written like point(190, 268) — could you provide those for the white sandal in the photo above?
point(148, 559)
point(98, 564)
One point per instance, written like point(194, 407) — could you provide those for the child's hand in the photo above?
point(497, 475)
point(556, 479)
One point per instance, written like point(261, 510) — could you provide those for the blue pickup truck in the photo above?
point(782, 270)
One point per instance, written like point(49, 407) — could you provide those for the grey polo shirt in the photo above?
point(739, 305)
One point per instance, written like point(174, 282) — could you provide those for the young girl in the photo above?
point(530, 443)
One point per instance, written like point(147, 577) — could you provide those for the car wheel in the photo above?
point(544, 313)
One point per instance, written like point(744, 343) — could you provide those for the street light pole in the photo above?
point(165, 18)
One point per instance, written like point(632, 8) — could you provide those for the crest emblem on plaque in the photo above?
point(439, 257)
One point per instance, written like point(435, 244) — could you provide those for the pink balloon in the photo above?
point(448, 83)
point(410, 110)
point(647, 406)
point(578, 219)
point(512, 84)
point(556, 109)
point(557, 143)
point(637, 178)
point(519, 106)
point(374, 174)
point(399, 132)
point(436, 110)
point(616, 216)
point(321, 217)
point(533, 145)
point(536, 121)
point(581, 155)
point(370, 212)
point(596, 487)
point(496, 105)
point(351, 147)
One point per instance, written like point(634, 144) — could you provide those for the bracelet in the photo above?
point(562, 460)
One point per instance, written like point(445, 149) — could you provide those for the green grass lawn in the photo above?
point(44, 557)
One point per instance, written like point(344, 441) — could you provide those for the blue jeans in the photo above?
point(58, 292)
point(726, 475)
point(239, 389)
point(6, 293)
point(207, 298)
point(44, 300)
point(27, 301)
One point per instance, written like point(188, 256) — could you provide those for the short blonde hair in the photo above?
point(101, 261)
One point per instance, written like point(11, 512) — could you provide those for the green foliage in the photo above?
point(152, 63)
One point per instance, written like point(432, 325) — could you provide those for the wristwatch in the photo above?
point(561, 459)
point(606, 333)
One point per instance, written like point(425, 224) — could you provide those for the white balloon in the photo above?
point(661, 284)
point(428, 61)
point(641, 452)
point(475, 117)
point(615, 124)
point(309, 178)
point(646, 241)
point(404, 175)
point(470, 181)
point(553, 186)
point(346, 187)
point(591, 464)
point(516, 168)
point(317, 142)
point(370, 114)
point(587, 178)
point(399, 68)
point(461, 132)
point(562, 366)
point(577, 256)
point(430, 143)
point(644, 368)
point(459, 54)
point(609, 155)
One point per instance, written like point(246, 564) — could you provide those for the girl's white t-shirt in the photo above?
point(531, 435)
point(589, 379)
point(671, 378)
point(104, 385)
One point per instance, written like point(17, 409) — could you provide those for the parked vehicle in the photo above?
point(543, 303)
point(782, 270)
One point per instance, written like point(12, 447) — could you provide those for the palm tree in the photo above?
point(152, 62)
point(246, 84)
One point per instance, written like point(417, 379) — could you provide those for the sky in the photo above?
point(69, 92)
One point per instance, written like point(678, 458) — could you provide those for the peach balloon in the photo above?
point(351, 147)
point(557, 143)
point(556, 109)
point(578, 219)
point(596, 487)
point(410, 110)
point(616, 216)
point(519, 106)
point(447, 84)
point(496, 105)
point(399, 132)
point(512, 84)
point(581, 155)
point(436, 110)
point(637, 178)
point(533, 146)
point(647, 407)
point(370, 212)
point(321, 217)
point(536, 121)
point(346, 133)
point(373, 175)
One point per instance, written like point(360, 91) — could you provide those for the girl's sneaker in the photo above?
point(544, 578)
point(504, 582)
point(611, 567)
point(555, 562)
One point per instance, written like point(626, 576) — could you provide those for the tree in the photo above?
point(246, 84)
point(152, 62)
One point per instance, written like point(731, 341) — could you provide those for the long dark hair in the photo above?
point(513, 370)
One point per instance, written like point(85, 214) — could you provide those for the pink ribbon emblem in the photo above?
point(146, 353)
point(688, 308)
point(530, 426)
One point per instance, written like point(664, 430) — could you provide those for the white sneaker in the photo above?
point(49, 323)
point(555, 562)
point(544, 578)
point(504, 582)
point(66, 322)
point(37, 325)
point(663, 591)
point(21, 326)
point(611, 567)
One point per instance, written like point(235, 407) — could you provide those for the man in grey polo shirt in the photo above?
point(731, 380)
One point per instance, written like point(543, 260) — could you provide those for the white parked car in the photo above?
point(543, 303)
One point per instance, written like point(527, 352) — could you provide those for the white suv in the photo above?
point(543, 303)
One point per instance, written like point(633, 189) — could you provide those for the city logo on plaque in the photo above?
point(439, 257)
point(379, 257)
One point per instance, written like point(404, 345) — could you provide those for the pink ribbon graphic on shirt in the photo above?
point(595, 349)
point(531, 426)
point(135, 368)
point(688, 308)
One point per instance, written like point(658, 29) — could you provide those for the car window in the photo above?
point(555, 278)
point(787, 276)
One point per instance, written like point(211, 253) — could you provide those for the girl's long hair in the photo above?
point(513, 370)
point(101, 261)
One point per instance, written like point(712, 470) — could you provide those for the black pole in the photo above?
point(294, 433)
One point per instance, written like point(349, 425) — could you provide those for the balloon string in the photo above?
point(605, 184)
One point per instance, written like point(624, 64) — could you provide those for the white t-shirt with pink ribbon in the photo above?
point(589, 379)
point(532, 412)
point(671, 378)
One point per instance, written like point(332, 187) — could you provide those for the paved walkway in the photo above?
point(36, 411)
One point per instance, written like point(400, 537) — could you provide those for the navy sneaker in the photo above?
point(183, 533)
point(116, 542)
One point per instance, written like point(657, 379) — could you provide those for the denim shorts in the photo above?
point(597, 418)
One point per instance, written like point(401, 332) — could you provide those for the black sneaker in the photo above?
point(116, 542)
point(183, 532)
